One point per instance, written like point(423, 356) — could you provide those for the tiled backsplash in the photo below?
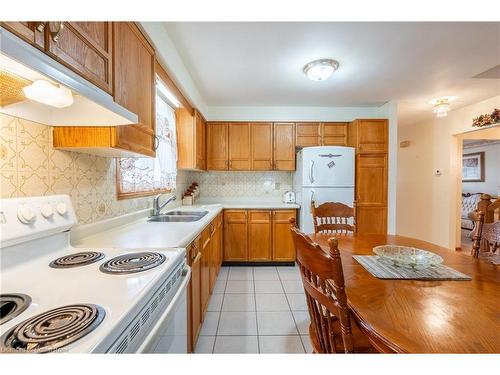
point(242, 184)
point(30, 166)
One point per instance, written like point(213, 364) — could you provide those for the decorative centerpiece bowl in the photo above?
point(408, 257)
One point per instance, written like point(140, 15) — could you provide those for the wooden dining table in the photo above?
point(413, 316)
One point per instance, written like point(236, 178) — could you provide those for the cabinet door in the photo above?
point(334, 134)
point(220, 225)
point(86, 48)
point(134, 77)
point(31, 32)
point(195, 298)
point(371, 136)
point(371, 179)
point(235, 235)
point(213, 253)
point(262, 146)
point(239, 146)
point(284, 146)
point(200, 132)
point(308, 134)
point(283, 249)
point(217, 146)
point(371, 219)
point(259, 235)
point(205, 269)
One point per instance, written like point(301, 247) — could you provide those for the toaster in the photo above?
point(289, 197)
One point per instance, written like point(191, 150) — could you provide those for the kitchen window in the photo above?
point(138, 177)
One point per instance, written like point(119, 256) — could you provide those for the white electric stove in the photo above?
point(58, 298)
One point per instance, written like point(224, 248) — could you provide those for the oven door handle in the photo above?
point(150, 338)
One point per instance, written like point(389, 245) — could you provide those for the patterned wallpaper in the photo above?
point(242, 184)
point(30, 166)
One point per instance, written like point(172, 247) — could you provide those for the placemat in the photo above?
point(382, 270)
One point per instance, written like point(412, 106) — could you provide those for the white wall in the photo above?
point(427, 205)
point(491, 184)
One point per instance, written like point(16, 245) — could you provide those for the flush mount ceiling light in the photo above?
point(442, 105)
point(319, 70)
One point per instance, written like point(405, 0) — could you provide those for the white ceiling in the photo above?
point(260, 64)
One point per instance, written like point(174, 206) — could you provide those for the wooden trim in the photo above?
point(167, 81)
point(136, 194)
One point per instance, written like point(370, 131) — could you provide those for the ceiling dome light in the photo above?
point(442, 105)
point(319, 70)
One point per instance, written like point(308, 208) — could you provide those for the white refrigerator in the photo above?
point(324, 174)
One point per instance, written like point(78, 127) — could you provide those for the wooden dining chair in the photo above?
point(486, 234)
point(333, 218)
point(331, 329)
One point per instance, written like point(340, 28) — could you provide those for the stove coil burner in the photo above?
point(131, 263)
point(11, 305)
point(77, 259)
point(52, 329)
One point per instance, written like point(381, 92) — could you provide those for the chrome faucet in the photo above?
point(157, 207)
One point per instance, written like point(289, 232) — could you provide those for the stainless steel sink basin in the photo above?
point(178, 216)
point(173, 219)
point(187, 213)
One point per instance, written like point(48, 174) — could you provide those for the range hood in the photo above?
point(83, 104)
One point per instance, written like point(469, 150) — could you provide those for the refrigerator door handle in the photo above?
point(311, 172)
point(311, 199)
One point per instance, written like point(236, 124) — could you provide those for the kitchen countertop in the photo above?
point(134, 231)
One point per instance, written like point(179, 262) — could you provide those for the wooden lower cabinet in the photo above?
point(204, 256)
point(235, 235)
point(283, 249)
point(194, 294)
point(258, 236)
point(205, 269)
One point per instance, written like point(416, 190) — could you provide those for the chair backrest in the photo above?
point(486, 228)
point(333, 218)
point(323, 281)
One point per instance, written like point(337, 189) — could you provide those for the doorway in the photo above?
point(480, 174)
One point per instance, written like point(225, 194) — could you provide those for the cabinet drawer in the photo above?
point(235, 216)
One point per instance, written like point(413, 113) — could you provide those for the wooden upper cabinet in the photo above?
point(190, 139)
point(85, 47)
point(284, 146)
point(31, 32)
point(369, 135)
point(235, 235)
point(200, 140)
point(334, 134)
point(239, 146)
point(259, 235)
point(308, 134)
point(217, 146)
point(283, 248)
point(262, 146)
point(134, 75)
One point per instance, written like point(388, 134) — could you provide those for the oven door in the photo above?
point(169, 334)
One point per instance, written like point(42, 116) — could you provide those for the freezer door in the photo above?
point(321, 195)
point(327, 166)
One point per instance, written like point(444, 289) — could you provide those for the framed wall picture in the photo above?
point(473, 167)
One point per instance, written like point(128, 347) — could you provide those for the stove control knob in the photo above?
point(25, 214)
point(61, 208)
point(47, 211)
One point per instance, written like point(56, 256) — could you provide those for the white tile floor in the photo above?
point(256, 310)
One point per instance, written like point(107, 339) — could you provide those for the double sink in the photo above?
point(178, 216)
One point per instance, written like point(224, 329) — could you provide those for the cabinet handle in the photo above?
point(157, 143)
point(55, 34)
point(230, 164)
point(40, 26)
